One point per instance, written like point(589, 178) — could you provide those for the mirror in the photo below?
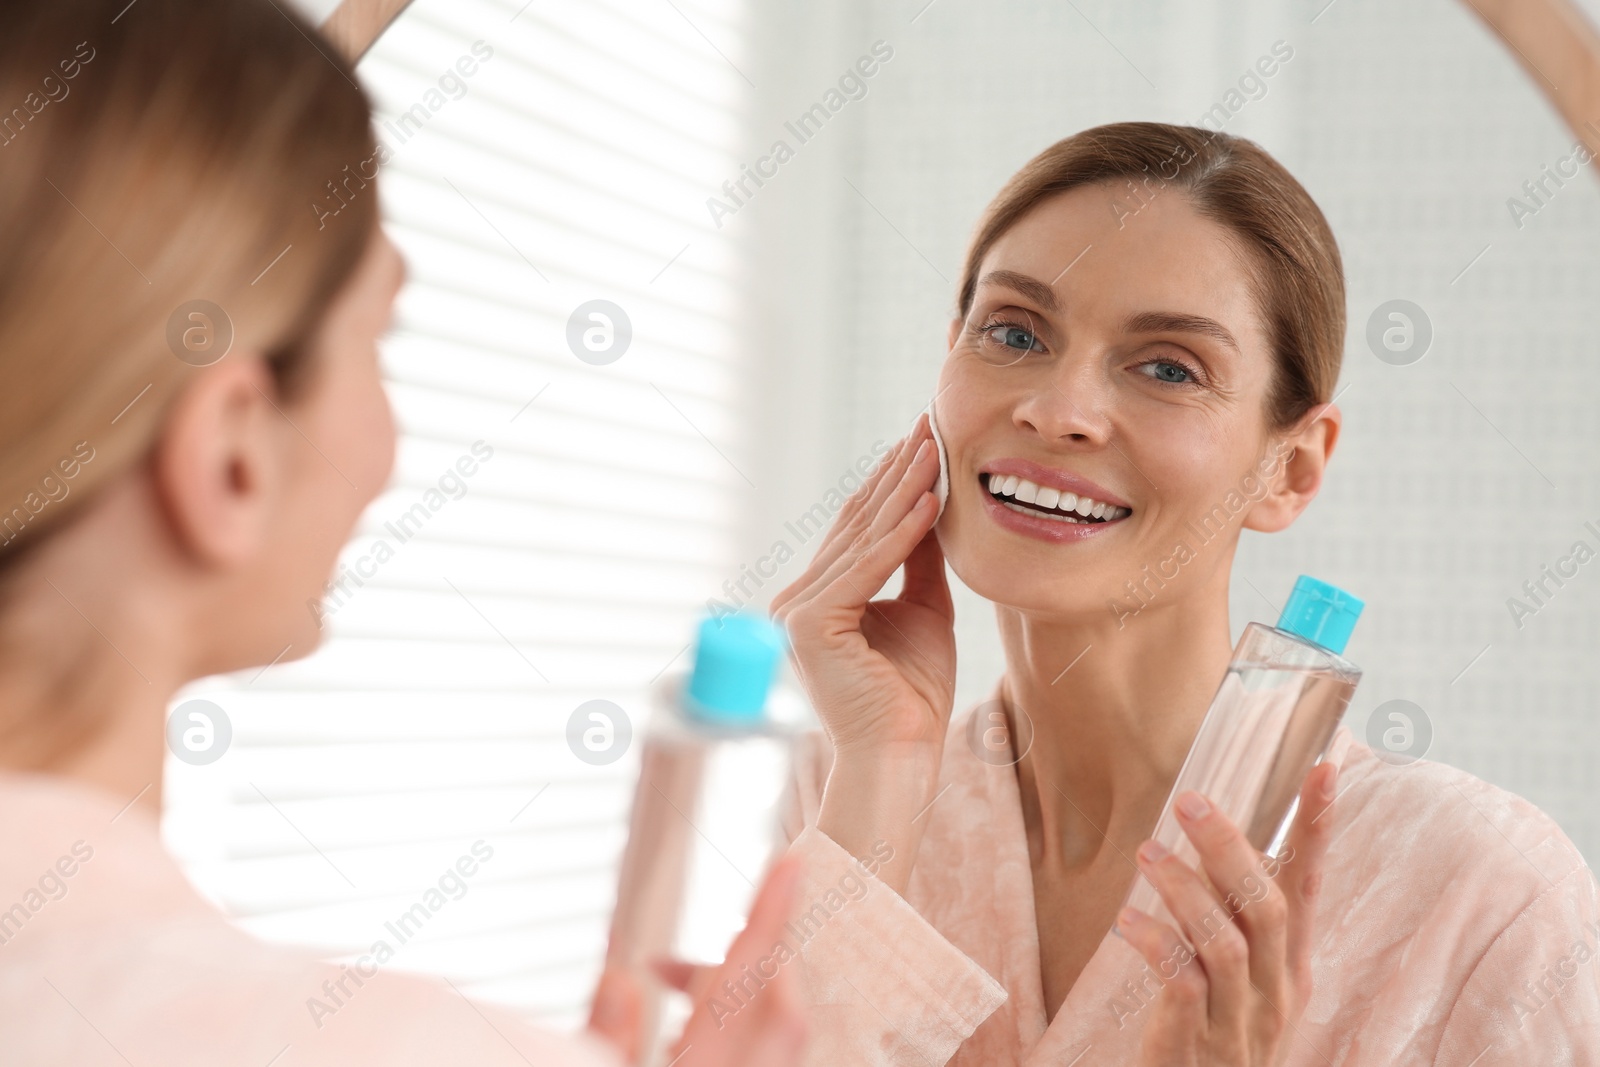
point(679, 270)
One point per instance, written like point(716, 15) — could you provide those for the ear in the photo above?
point(1294, 482)
point(218, 462)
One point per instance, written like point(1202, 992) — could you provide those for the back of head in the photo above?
point(154, 155)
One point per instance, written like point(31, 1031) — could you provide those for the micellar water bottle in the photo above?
point(713, 774)
point(1271, 721)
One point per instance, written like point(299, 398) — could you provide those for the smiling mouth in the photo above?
point(1042, 502)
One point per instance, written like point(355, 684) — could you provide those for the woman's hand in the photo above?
point(880, 673)
point(768, 1028)
point(1235, 987)
point(616, 1013)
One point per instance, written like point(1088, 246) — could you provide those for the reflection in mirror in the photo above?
point(680, 278)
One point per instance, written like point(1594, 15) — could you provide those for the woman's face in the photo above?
point(346, 443)
point(1121, 358)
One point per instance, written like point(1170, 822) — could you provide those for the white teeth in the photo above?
point(1026, 492)
point(1052, 516)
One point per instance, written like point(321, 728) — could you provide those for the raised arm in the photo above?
point(1560, 49)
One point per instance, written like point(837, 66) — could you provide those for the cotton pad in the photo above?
point(941, 488)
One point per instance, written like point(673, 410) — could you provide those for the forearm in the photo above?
point(882, 797)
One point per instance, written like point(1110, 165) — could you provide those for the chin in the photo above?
point(298, 633)
point(1013, 580)
point(1036, 578)
point(1045, 601)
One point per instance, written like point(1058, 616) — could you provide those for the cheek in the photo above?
point(1192, 459)
point(970, 405)
point(351, 426)
point(378, 436)
point(359, 417)
point(971, 409)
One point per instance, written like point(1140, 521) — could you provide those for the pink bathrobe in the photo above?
point(109, 957)
point(1457, 926)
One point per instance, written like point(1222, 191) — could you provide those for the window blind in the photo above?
point(554, 523)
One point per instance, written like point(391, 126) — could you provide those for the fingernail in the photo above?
point(1152, 852)
point(1127, 917)
point(922, 451)
point(924, 502)
point(1194, 806)
point(1330, 785)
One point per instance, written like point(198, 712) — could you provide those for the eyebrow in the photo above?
point(1138, 322)
point(1032, 288)
point(1177, 322)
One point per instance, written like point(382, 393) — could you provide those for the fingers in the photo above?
point(840, 597)
point(678, 974)
point(894, 498)
point(899, 499)
point(1184, 989)
point(770, 1026)
point(856, 516)
point(1219, 944)
point(771, 909)
point(926, 583)
point(617, 1013)
point(1257, 903)
point(868, 572)
point(1249, 923)
point(781, 1029)
point(778, 1027)
point(1301, 862)
point(690, 978)
point(870, 497)
point(833, 539)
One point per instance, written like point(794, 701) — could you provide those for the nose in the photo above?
point(1068, 405)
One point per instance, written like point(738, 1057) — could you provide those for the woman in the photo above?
point(190, 423)
point(1151, 317)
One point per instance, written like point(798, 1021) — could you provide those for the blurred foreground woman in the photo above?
point(169, 502)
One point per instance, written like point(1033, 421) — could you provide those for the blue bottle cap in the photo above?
point(1321, 613)
point(736, 657)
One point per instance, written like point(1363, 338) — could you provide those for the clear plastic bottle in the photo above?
point(1271, 721)
point(714, 768)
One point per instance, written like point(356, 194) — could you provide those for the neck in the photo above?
point(1114, 708)
point(87, 667)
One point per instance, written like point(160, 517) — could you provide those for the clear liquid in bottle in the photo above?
point(1271, 721)
point(714, 769)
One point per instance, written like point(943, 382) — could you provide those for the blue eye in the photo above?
point(1168, 365)
point(1014, 337)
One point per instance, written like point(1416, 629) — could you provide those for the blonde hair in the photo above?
point(1298, 281)
point(153, 155)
